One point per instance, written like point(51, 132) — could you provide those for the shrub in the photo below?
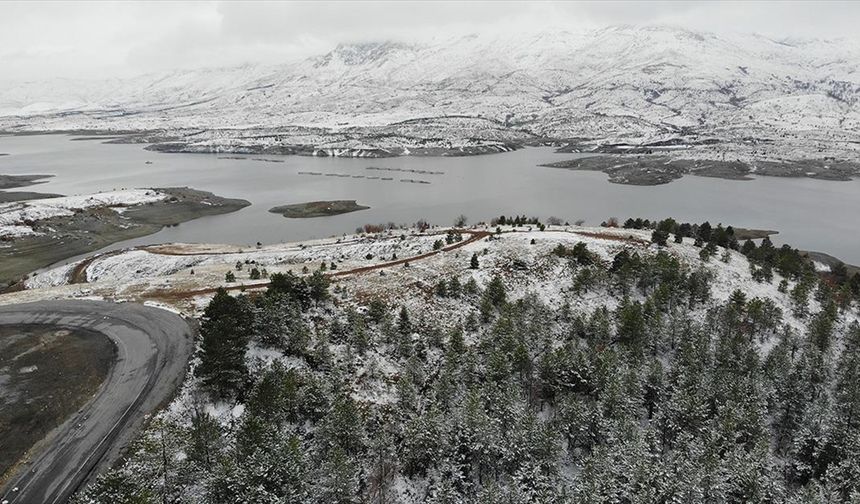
point(659, 237)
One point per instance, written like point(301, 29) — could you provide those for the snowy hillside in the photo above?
point(621, 83)
point(517, 365)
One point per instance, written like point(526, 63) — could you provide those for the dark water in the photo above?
point(810, 214)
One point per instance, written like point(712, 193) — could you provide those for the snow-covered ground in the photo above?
point(172, 274)
point(16, 218)
point(767, 98)
point(180, 278)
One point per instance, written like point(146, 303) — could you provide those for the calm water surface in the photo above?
point(810, 214)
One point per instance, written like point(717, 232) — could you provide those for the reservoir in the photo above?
point(810, 214)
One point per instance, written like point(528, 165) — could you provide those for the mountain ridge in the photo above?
point(618, 83)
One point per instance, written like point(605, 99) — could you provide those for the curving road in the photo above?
point(153, 348)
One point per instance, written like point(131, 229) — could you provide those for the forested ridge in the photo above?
point(661, 392)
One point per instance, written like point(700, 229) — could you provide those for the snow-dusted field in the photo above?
point(171, 274)
point(181, 277)
point(16, 218)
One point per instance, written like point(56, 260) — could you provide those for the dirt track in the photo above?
point(474, 236)
point(78, 274)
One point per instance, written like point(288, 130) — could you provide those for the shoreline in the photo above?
point(743, 234)
point(92, 229)
point(651, 169)
point(830, 261)
point(647, 164)
point(18, 181)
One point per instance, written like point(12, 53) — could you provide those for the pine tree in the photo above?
point(224, 331)
point(454, 287)
point(383, 468)
point(292, 287)
point(654, 388)
point(855, 285)
point(204, 438)
point(117, 487)
point(473, 264)
point(318, 285)
point(631, 327)
point(358, 334)
point(279, 324)
point(470, 288)
point(441, 289)
point(404, 325)
point(847, 392)
point(495, 292)
point(800, 299)
point(784, 380)
point(422, 440)
point(376, 310)
point(705, 232)
point(659, 237)
point(708, 251)
point(274, 396)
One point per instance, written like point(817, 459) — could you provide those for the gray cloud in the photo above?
point(100, 39)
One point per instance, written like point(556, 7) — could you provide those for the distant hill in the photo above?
point(621, 82)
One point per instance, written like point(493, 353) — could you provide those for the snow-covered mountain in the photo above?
point(620, 82)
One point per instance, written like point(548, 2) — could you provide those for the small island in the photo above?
point(318, 209)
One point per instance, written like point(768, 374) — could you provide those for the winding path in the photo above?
point(473, 237)
point(153, 348)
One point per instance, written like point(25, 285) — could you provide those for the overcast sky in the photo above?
point(102, 39)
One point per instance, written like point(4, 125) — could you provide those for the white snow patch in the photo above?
point(50, 278)
point(16, 218)
point(162, 306)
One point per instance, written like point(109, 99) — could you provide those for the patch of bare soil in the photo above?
point(614, 237)
point(46, 374)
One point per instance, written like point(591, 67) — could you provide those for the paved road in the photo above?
point(153, 347)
